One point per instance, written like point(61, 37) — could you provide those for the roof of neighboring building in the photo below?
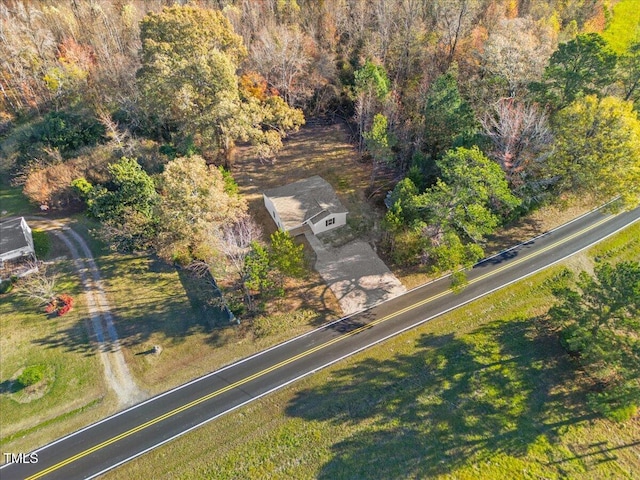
point(300, 201)
point(13, 236)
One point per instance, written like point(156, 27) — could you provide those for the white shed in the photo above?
point(17, 255)
point(16, 241)
point(311, 203)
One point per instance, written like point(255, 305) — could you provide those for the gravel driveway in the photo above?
point(355, 274)
point(102, 330)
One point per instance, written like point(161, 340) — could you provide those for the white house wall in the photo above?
point(321, 226)
point(28, 234)
point(271, 208)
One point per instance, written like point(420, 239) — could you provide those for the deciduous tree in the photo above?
point(597, 149)
point(40, 286)
point(235, 241)
point(283, 54)
point(194, 208)
point(600, 322)
point(189, 83)
point(453, 19)
point(519, 134)
point(50, 185)
point(583, 66)
point(517, 51)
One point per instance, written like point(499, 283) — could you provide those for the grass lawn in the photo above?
point(624, 26)
point(71, 393)
point(155, 304)
point(152, 304)
point(13, 202)
point(482, 392)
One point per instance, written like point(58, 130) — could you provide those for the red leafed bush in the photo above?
point(61, 305)
point(66, 300)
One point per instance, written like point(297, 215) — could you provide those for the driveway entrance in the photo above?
point(355, 274)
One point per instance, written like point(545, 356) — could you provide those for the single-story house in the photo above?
point(16, 247)
point(310, 203)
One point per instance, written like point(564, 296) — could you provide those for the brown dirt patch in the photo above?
point(322, 150)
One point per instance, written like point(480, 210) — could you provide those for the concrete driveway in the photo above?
point(355, 274)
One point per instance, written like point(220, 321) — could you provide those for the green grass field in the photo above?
point(155, 304)
point(61, 344)
point(13, 202)
point(482, 392)
point(152, 304)
point(624, 26)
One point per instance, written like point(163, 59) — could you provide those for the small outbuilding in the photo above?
point(306, 204)
point(16, 247)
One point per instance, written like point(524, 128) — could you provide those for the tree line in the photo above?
point(472, 112)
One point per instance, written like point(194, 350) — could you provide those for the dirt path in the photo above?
point(103, 331)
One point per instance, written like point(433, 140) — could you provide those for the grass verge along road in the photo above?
point(132, 432)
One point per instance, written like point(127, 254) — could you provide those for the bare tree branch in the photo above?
point(40, 285)
point(519, 134)
point(235, 241)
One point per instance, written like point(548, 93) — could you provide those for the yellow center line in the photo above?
point(299, 356)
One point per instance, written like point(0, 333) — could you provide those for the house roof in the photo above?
point(15, 238)
point(305, 200)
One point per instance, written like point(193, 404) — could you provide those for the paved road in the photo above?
point(117, 439)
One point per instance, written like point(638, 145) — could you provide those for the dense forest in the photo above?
point(475, 110)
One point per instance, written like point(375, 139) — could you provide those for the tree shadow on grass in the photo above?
point(162, 311)
point(10, 386)
point(454, 402)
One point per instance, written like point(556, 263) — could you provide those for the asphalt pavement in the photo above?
point(132, 432)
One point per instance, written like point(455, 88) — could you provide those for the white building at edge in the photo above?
point(311, 203)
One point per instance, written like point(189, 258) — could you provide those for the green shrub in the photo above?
point(31, 375)
point(408, 245)
point(236, 305)
point(623, 414)
point(82, 187)
point(230, 185)
point(458, 281)
point(41, 243)
point(63, 131)
point(6, 286)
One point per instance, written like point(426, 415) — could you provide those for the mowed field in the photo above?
point(624, 26)
point(482, 392)
point(152, 304)
point(72, 392)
